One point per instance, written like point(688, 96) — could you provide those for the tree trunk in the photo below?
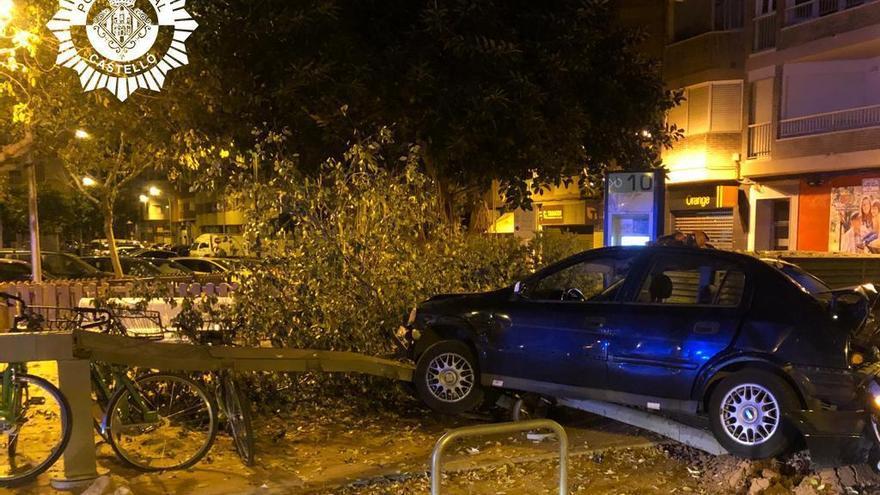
point(107, 208)
point(445, 198)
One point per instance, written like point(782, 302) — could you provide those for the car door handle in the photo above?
point(594, 323)
point(706, 327)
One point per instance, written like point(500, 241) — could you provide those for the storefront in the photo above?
point(711, 208)
point(839, 213)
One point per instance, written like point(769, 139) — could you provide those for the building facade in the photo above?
point(781, 121)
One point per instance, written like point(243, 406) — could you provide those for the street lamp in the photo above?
point(155, 191)
point(143, 198)
point(5, 12)
point(88, 181)
point(80, 133)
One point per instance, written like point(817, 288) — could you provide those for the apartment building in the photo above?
point(782, 122)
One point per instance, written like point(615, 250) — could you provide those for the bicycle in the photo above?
point(31, 410)
point(233, 404)
point(153, 422)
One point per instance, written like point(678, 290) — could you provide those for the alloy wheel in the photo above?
point(450, 377)
point(750, 414)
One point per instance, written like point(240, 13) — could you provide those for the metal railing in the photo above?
point(804, 11)
point(765, 32)
point(841, 120)
point(500, 429)
point(760, 139)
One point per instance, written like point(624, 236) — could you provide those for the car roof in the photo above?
point(8, 261)
point(647, 250)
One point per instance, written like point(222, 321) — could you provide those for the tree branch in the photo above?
point(77, 183)
point(18, 148)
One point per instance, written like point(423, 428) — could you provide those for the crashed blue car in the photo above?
point(765, 353)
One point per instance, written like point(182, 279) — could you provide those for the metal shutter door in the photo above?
point(717, 224)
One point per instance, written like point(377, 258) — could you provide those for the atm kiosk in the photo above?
point(634, 207)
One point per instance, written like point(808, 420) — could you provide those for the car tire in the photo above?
point(747, 414)
point(447, 378)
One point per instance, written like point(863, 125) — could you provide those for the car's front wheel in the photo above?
point(746, 413)
point(447, 378)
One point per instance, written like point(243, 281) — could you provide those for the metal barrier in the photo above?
point(500, 429)
point(72, 352)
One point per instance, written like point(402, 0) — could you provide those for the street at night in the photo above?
point(439, 246)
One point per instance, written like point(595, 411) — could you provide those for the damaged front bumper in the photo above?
point(840, 437)
point(836, 438)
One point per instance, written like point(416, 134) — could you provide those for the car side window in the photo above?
point(693, 280)
point(595, 279)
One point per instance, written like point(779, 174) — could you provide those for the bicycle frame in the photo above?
point(10, 399)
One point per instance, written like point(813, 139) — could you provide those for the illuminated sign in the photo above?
point(112, 44)
point(551, 215)
point(700, 201)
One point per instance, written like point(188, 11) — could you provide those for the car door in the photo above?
point(555, 329)
point(687, 309)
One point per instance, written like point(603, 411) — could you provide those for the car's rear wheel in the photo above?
point(746, 413)
point(447, 378)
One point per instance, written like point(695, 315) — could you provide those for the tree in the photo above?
point(531, 93)
point(112, 159)
point(48, 115)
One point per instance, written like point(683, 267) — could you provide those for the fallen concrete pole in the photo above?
point(688, 435)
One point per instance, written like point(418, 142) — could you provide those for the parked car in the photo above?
point(765, 352)
point(131, 267)
point(101, 247)
point(58, 265)
point(205, 266)
point(152, 253)
point(219, 245)
point(14, 271)
point(169, 267)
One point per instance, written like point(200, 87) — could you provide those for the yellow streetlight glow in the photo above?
point(88, 181)
point(155, 191)
point(144, 199)
point(5, 11)
point(79, 133)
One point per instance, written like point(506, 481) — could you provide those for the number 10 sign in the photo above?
point(633, 207)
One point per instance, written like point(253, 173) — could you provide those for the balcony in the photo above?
point(765, 32)
point(822, 123)
point(760, 137)
point(812, 9)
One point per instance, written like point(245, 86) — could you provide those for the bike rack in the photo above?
point(73, 352)
point(498, 429)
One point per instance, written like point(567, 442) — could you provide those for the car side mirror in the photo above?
point(517, 288)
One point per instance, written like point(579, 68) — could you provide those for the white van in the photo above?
point(217, 245)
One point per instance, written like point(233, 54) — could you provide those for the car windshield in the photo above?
point(139, 268)
point(66, 266)
point(169, 267)
point(803, 279)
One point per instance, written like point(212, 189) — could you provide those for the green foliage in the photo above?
point(366, 245)
point(550, 246)
point(530, 93)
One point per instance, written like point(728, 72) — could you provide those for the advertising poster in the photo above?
point(855, 218)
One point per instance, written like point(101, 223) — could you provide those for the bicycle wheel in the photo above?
point(238, 418)
point(161, 422)
point(35, 430)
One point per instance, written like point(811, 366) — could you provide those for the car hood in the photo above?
point(463, 298)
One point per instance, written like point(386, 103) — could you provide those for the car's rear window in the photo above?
point(807, 281)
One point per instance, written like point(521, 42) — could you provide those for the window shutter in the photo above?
point(698, 110)
point(678, 115)
point(762, 101)
point(726, 107)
